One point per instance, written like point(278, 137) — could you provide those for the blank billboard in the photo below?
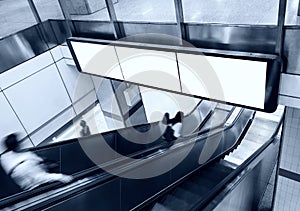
point(231, 80)
point(238, 78)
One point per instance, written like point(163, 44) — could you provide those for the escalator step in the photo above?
point(204, 180)
point(186, 195)
point(215, 173)
point(194, 188)
point(225, 166)
point(173, 203)
point(159, 207)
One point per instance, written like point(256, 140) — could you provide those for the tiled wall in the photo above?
point(41, 95)
point(288, 195)
point(288, 190)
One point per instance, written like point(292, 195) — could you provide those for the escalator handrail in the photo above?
point(74, 140)
point(27, 194)
point(201, 203)
point(184, 178)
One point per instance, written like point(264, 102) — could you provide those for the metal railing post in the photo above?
point(180, 19)
point(118, 31)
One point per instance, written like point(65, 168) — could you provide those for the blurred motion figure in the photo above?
point(26, 168)
point(85, 130)
point(173, 130)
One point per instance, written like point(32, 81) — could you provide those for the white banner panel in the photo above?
point(231, 80)
point(240, 78)
point(97, 59)
point(149, 67)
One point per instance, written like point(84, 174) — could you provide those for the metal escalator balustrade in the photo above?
point(196, 188)
point(99, 188)
point(54, 150)
point(200, 187)
point(51, 194)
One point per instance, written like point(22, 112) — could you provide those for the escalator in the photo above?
point(187, 194)
point(199, 190)
point(93, 176)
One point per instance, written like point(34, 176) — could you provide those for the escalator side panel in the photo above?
point(133, 140)
point(104, 197)
point(143, 189)
point(189, 163)
point(75, 159)
point(248, 189)
point(8, 186)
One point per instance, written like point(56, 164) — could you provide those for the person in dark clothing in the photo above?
point(174, 126)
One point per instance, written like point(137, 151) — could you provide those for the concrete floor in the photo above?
point(16, 15)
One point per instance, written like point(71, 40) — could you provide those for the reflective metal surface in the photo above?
point(249, 38)
point(292, 49)
point(60, 30)
point(94, 29)
point(131, 28)
point(20, 47)
point(31, 42)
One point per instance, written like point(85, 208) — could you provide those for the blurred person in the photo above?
point(173, 130)
point(85, 131)
point(26, 168)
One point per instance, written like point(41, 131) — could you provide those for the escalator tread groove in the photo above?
point(185, 195)
point(174, 203)
point(159, 207)
point(194, 188)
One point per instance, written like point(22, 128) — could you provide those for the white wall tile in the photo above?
point(77, 84)
point(25, 69)
point(9, 122)
point(38, 98)
point(66, 52)
point(85, 102)
point(52, 126)
point(56, 53)
point(288, 191)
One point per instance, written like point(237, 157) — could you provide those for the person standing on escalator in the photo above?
point(85, 130)
point(173, 130)
point(26, 168)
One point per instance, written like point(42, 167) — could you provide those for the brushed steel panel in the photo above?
point(20, 47)
point(94, 29)
point(144, 30)
point(250, 38)
point(60, 30)
point(292, 50)
point(290, 85)
point(289, 101)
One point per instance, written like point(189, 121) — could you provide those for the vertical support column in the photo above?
point(279, 50)
point(118, 31)
point(34, 11)
point(38, 20)
point(180, 19)
point(298, 8)
point(63, 6)
point(280, 27)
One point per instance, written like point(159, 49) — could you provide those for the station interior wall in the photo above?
point(39, 96)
